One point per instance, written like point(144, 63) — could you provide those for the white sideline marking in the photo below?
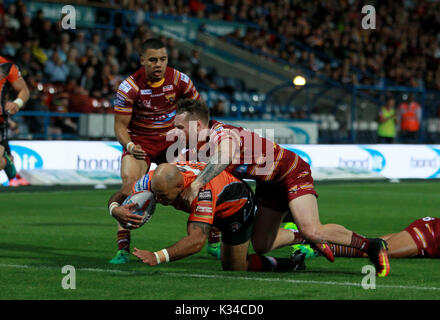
point(214, 276)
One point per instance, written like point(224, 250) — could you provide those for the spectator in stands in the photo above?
point(65, 125)
point(87, 81)
point(111, 55)
point(96, 46)
point(28, 66)
point(201, 76)
point(37, 52)
point(56, 71)
point(63, 48)
point(129, 59)
point(387, 119)
point(410, 116)
point(195, 59)
point(11, 20)
point(117, 40)
point(72, 64)
point(47, 37)
point(80, 43)
point(218, 109)
point(36, 103)
point(37, 21)
point(26, 32)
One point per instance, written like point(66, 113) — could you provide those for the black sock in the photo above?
point(259, 262)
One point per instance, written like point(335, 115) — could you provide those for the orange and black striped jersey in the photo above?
point(152, 106)
point(9, 73)
point(221, 197)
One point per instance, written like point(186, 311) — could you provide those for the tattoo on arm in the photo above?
point(212, 170)
point(205, 228)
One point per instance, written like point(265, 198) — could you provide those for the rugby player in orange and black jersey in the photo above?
point(145, 107)
point(225, 202)
point(10, 76)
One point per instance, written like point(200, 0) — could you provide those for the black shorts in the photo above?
point(4, 137)
point(237, 228)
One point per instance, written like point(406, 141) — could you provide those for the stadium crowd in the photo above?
point(404, 47)
point(78, 71)
point(88, 64)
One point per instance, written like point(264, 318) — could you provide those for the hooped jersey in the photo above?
point(221, 197)
point(9, 73)
point(258, 157)
point(152, 105)
point(426, 234)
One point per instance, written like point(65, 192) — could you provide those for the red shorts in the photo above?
point(155, 146)
point(277, 194)
point(426, 234)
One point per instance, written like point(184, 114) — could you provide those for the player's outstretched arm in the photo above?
point(121, 132)
point(221, 159)
point(20, 86)
point(195, 240)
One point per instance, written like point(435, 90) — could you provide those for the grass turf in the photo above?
point(44, 231)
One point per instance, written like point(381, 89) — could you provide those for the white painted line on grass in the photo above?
point(216, 276)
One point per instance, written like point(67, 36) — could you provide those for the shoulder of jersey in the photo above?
point(217, 126)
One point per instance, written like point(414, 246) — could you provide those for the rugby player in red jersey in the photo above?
point(145, 107)
point(420, 239)
point(284, 183)
point(225, 202)
point(9, 76)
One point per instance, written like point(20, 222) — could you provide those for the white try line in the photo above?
point(216, 276)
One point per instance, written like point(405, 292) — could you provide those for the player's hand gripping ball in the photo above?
point(146, 204)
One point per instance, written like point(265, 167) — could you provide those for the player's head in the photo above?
point(192, 117)
point(154, 58)
point(167, 183)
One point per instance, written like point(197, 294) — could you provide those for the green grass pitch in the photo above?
point(43, 231)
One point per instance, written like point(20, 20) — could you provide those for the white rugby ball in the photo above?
point(146, 204)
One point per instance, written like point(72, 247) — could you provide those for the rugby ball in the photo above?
point(145, 205)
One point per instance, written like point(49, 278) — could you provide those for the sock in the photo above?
point(359, 242)
point(343, 251)
point(124, 240)
point(258, 262)
point(299, 239)
point(214, 236)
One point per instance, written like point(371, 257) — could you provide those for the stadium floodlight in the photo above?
point(299, 81)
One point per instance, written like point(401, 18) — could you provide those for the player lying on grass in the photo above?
point(284, 183)
point(225, 202)
point(420, 239)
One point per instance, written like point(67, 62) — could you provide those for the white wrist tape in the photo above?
point(167, 256)
point(130, 146)
point(112, 206)
point(157, 257)
point(19, 102)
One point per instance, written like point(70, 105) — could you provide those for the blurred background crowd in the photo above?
point(79, 71)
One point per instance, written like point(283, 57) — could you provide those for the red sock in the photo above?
point(298, 237)
point(343, 251)
point(359, 242)
point(214, 235)
point(124, 240)
point(258, 262)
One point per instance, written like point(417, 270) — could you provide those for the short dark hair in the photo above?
point(196, 109)
point(152, 43)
